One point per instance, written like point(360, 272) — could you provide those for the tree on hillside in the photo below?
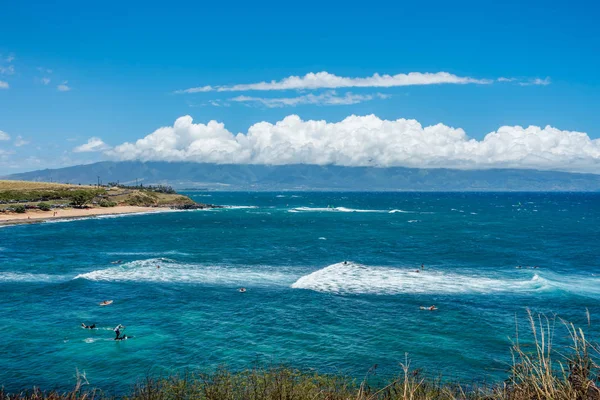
point(79, 198)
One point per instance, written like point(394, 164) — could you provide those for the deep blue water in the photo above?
point(304, 307)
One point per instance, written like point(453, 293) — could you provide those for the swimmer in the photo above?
point(158, 267)
point(417, 271)
point(84, 326)
point(345, 262)
point(422, 266)
point(430, 308)
point(242, 290)
point(519, 267)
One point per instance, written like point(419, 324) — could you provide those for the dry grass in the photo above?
point(542, 373)
point(27, 185)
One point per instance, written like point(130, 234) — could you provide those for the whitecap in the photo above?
point(361, 279)
point(174, 272)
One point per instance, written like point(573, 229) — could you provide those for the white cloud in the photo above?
point(10, 58)
point(44, 70)
point(8, 70)
point(4, 85)
point(328, 98)
point(4, 136)
point(366, 141)
point(325, 80)
point(93, 144)
point(45, 81)
point(504, 79)
point(536, 81)
point(63, 87)
point(19, 141)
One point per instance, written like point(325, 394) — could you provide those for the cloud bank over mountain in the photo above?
point(363, 141)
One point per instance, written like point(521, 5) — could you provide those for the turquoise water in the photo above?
point(304, 307)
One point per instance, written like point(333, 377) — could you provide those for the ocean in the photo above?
point(331, 278)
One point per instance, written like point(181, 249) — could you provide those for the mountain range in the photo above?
point(187, 175)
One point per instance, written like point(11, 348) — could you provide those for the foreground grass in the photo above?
point(535, 374)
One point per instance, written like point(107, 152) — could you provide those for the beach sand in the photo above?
point(32, 216)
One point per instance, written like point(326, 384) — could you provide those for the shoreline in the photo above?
point(36, 216)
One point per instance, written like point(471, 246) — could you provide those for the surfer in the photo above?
point(84, 326)
point(242, 290)
point(430, 308)
point(106, 302)
point(117, 331)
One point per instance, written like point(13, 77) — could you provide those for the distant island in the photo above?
point(302, 177)
point(30, 202)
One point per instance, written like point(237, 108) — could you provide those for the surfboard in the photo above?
point(105, 303)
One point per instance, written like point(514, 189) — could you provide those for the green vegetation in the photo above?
point(539, 372)
point(79, 198)
point(51, 194)
point(19, 209)
point(44, 206)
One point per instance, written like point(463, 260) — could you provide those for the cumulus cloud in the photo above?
point(325, 80)
point(4, 136)
point(329, 98)
point(4, 85)
point(63, 87)
point(366, 141)
point(93, 144)
point(45, 81)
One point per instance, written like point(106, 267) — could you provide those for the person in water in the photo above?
point(117, 331)
point(84, 326)
point(422, 266)
point(242, 290)
point(345, 262)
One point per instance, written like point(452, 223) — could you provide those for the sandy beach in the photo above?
point(32, 216)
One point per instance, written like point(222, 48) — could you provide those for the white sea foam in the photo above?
point(27, 277)
point(171, 271)
point(239, 207)
point(360, 279)
point(334, 209)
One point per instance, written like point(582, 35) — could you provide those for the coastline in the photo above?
point(36, 216)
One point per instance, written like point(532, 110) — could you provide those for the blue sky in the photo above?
point(120, 66)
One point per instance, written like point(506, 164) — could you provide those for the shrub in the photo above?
point(107, 203)
point(79, 198)
point(44, 206)
point(19, 209)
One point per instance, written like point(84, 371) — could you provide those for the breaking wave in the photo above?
point(354, 278)
point(174, 272)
